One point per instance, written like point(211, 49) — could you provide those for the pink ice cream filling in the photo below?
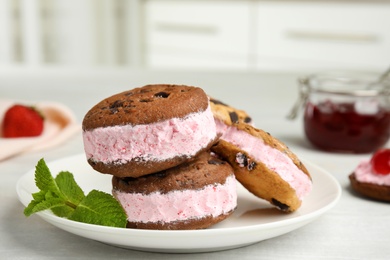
point(151, 142)
point(212, 200)
point(364, 173)
point(273, 159)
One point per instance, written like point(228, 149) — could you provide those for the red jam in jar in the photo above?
point(339, 127)
point(346, 112)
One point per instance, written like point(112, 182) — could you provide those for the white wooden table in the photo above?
point(355, 228)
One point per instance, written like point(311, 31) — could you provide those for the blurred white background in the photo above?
point(187, 34)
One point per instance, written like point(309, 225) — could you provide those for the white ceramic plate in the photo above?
point(253, 221)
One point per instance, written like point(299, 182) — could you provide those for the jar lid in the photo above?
point(360, 84)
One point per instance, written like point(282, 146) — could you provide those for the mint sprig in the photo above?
point(64, 197)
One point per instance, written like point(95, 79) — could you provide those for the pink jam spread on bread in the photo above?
point(158, 141)
point(212, 200)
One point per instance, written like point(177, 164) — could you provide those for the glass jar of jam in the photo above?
point(346, 112)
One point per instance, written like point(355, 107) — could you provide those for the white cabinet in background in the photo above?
point(323, 34)
point(267, 35)
point(197, 34)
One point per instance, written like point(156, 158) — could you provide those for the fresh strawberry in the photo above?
point(380, 161)
point(22, 121)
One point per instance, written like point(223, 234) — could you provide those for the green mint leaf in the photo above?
point(43, 205)
point(70, 190)
point(63, 211)
point(43, 178)
point(37, 198)
point(64, 197)
point(101, 209)
point(39, 202)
